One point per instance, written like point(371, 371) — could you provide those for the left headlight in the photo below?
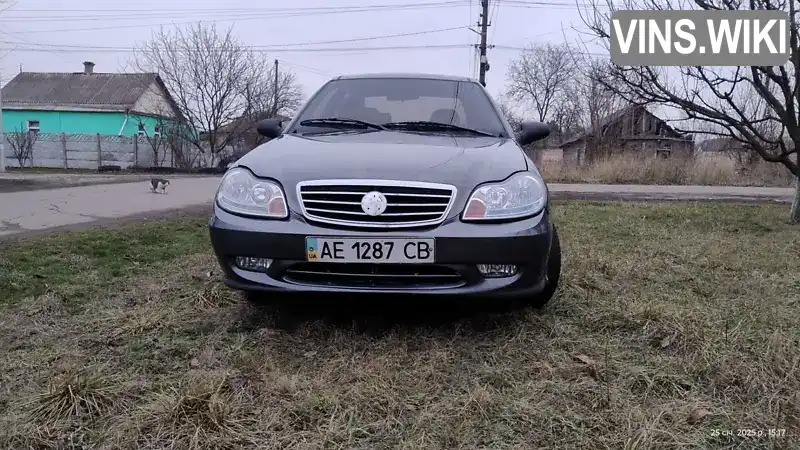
point(520, 195)
point(240, 192)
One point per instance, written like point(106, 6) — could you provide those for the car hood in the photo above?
point(463, 162)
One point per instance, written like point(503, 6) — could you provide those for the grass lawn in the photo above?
point(673, 321)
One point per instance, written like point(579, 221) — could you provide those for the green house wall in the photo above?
point(77, 122)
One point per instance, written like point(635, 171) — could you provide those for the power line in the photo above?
point(228, 15)
point(371, 38)
point(248, 10)
point(253, 48)
point(313, 70)
point(182, 12)
point(535, 4)
point(274, 47)
point(25, 41)
point(296, 44)
point(225, 16)
point(493, 18)
point(264, 49)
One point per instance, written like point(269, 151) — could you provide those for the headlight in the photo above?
point(523, 194)
point(242, 193)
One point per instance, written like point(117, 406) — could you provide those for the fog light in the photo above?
point(253, 264)
point(497, 270)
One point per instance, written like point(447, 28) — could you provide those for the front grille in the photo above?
point(409, 203)
point(374, 276)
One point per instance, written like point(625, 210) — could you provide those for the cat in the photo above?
point(159, 185)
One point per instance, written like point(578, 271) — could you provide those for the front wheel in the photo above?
point(552, 274)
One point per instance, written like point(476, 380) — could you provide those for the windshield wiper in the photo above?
point(434, 126)
point(340, 122)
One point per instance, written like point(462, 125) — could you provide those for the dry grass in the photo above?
point(673, 321)
point(713, 170)
point(73, 394)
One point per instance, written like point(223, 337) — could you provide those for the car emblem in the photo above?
point(374, 203)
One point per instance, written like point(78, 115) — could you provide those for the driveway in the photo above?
point(35, 211)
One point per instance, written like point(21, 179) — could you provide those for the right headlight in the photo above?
point(520, 195)
point(240, 192)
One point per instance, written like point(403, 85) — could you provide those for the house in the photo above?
point(241, 133)
point(741, 154)
point(632, 129)
point(87, 102)
point(720, 145)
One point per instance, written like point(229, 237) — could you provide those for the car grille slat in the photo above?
point(332, 202)
point(408, 203)
point(376, 276)
point(333, 211)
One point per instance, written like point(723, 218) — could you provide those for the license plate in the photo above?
point(350, 250)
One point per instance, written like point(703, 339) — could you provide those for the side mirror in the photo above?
point(531, 132)
point(270, 128)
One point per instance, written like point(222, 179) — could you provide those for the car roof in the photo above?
point(410, 75)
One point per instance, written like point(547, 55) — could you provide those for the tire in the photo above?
point(253, 297)
point(553, 274)
point(260, 303)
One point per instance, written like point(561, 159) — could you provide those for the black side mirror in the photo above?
point(270, 128)
point(531, 132)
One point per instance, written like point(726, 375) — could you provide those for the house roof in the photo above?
point(603, 122)
point(612, 118)
point(98, 91)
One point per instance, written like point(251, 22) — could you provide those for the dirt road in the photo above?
point(35, 211)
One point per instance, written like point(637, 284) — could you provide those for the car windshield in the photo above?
point(380, 101)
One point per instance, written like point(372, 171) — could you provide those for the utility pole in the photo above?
point(2, 134)
point(275, 89)
point(484, 24)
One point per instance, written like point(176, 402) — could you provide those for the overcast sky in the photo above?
point(41, 24)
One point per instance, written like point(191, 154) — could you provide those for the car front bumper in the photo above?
point(459, 248)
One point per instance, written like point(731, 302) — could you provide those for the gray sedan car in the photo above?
point(390, 183)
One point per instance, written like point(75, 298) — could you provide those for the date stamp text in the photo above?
point(770, 433)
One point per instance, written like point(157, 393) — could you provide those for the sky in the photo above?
point(58, 35)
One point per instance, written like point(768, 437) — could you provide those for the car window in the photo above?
point(414, 110)
point(383, 100)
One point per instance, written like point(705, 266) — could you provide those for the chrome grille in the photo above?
point(375, 276)
point(409, 203)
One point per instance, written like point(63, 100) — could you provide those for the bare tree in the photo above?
point(173, 140)
point(510, 115)
point(157, 141)
point(212, 76)
point(715, 96)
point(266, 99)
point(21, 142)
point(567, 113)
point(594, 101)
point(739, 151)
point(540, 76)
